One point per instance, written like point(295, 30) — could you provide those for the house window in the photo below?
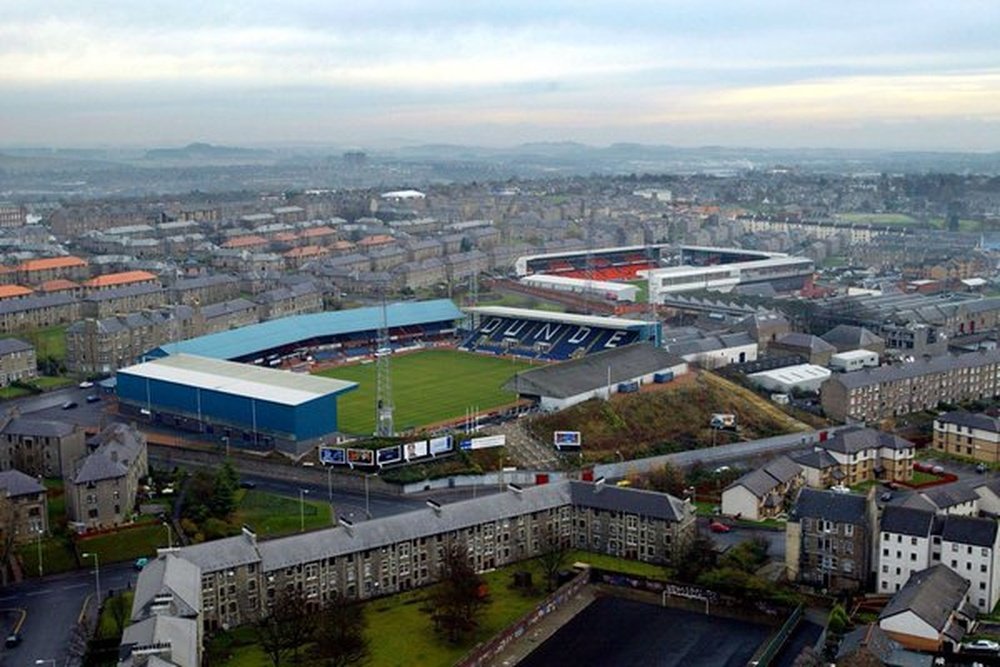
point(849, 530)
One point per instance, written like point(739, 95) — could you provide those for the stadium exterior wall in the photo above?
point(247, 422)
point(552, 404)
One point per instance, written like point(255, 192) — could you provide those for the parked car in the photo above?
point(980, 468)
point(69, 405)
point(86, 384)
point(13, 640)
point(248, 484)
point(982, 645)
point(93, 398)
point(886, 497)
point(718, 527)
point(140, 563)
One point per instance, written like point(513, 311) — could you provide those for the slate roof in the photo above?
point(830, 505)
point(907, 521)
point(591, 372)
point(950, 495)
point(969, 530)
point(180, 633)
point(931, 594)
point(757, 482)
point(918, 368)
point(118, 447)
point(30, 303)
point(804, 342)
point(43, 428)
point(168, 575)
point(851, 440)
point(971, 419)
point(783, 469)
point(847, 337)
point(15, 483)
point(12, 345)
point(817, 459)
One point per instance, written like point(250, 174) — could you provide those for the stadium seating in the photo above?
point(537, 339)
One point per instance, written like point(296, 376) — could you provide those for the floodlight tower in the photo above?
point(383, 380)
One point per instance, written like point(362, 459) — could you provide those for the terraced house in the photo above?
point(241, 576)
point(968, 434)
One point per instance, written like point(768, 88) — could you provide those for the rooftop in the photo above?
point(561, 318)
point(228, 377)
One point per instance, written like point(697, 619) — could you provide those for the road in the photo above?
point(49, 406)
point(52, 607)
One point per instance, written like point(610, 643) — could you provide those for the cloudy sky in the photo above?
point(875, 73)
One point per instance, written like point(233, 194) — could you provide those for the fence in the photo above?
point(766, 653)
point(483, 653)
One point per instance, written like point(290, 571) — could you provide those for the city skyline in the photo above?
point(896, 75)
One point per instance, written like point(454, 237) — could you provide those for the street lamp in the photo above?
point(97, 573)
point(329, 482)
point(39, 536)
point(170, 535)
point(302, 509)
point(368, 509)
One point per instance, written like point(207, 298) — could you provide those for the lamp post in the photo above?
point(329, 482)
point(302, 509)
point(368, 508)
point(170, 535)
point(39, 539)
point(97, 574)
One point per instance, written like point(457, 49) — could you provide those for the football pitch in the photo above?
point(427, 387)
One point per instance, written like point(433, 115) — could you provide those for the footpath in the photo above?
point(518, 649)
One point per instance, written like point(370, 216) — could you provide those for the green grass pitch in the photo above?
point(427, 387)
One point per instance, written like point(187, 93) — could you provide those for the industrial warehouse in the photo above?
point(256, 408)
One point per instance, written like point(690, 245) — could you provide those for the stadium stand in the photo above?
point(542, 335)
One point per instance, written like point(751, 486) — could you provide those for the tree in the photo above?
point(225, 484)
point(667, 478)
point(553, 555)
point(119, 608)
point(286, 627)
point(456, 604)
point(697, 557)
point(340, 637)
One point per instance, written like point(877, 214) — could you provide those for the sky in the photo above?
point(886, 74)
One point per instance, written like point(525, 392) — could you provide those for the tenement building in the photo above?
point(240, 576)
point(968, 434)
point(888, 391)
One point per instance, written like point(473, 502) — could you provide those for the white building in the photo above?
point(802, 378)
point(853, 360)
point(911, 540)
point(601, 288)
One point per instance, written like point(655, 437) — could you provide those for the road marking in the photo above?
point(35, 593)
point(8, 597)
point(69, 588)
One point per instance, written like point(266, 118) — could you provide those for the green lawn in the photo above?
point(270, 515)
point(402, 635)
point(45, 382)
point(615, 564)
point(920, 477)
point(106, 626)
point(427, 387)
point(7, 393)
point(57, 556)
point(125, 544)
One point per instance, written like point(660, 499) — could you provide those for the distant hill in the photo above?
point(201, 152)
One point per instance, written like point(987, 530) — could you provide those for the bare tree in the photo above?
point(554, 551)
point(286, 627)
point(340, 636)
point(457, 602)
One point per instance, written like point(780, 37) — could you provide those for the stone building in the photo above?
point(103, 489)
point(17, 361)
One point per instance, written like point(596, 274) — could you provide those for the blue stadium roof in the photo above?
point(255, 338)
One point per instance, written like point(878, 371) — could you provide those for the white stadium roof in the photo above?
point(228, 377)
point(561, 318)
point(546, 279)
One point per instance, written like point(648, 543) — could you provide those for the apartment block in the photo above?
point(17, 361)
point(39, 447)
point(967, 434)
point(878, 393)
point(102, 490)
point(854, 455)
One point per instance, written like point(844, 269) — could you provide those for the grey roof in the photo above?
point(931, 594)
point(950, 495)
point(969, 530)
point(918, 368)
point(15, 483)
point(783, 469)
point(709, 343)
point(591, 372)
point(43, 428)
point(817, 458)
point(971, 419)
point(118, 447)
point(30, 303)
point(757, 482)
point(851, 440)
point(907, 521)
point(181, 634)
point(227, 307)
point(848, 337)
point(296, 549)
point(870, 637)
point(804, 342)
point(167, 581)
point(12, 345)
point(830, 505)
point(200, 282)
